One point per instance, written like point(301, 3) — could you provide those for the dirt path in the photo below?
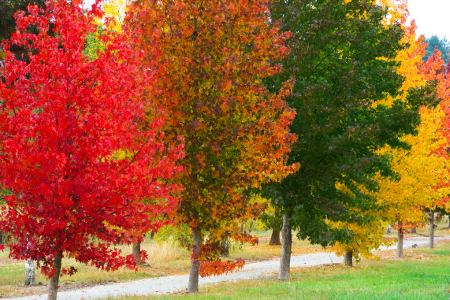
point(170, 284)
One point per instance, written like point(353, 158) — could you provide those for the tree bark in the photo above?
point(136, 253)
point(389, 229)
point(286, 247)
point(54, 280)
point(275, 237)
point(30, 277)
point(225, 247)
point(431, 219)
point(195, 263)
point(348, 258)
point(400, 240)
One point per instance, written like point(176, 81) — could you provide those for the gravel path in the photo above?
point(170, 284)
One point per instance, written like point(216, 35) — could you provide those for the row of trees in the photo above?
point(174, 111)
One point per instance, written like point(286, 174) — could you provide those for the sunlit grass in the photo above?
point(423, 275)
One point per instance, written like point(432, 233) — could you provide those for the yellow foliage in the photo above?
point(116, 11)
point(420, 172)
point(420, 168)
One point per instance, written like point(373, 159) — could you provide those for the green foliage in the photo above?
point(179, 234)
point(343, 59)
point(272, 218)
point(94, 45)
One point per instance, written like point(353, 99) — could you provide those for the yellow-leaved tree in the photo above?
point(116, 11)
point(420, 169)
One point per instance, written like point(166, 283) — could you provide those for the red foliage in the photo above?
point(64, 120)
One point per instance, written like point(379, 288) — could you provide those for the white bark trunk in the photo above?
point(30, 276)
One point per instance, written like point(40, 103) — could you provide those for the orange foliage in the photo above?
point(211, 58)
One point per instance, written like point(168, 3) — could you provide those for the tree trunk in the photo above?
point(389, 229)
point(348, 258)
point(136, 253)
point(195, 263)
point(286, 246)
point(54, 280)
point(29, 273)
point(275, 237)
point(431, 219)
point(400, 240)
point(225, 248)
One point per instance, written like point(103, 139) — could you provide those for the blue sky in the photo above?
point(432, 16)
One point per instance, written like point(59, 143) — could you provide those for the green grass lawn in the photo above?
point(425, 274)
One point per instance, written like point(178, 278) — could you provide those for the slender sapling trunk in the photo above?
point(195, 263)
point(431, 219)
point(286, 246)
point(400, 240)
point(54, 280)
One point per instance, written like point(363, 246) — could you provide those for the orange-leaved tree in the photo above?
point(213, 58)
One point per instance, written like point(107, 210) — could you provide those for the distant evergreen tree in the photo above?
point(442, 45)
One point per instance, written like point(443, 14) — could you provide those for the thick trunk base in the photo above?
point(348, 258)
point(54, 280)
point(275, 238)
point(195, 263)
point(286, 249)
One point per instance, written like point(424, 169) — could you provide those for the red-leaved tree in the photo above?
point(85, 164)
